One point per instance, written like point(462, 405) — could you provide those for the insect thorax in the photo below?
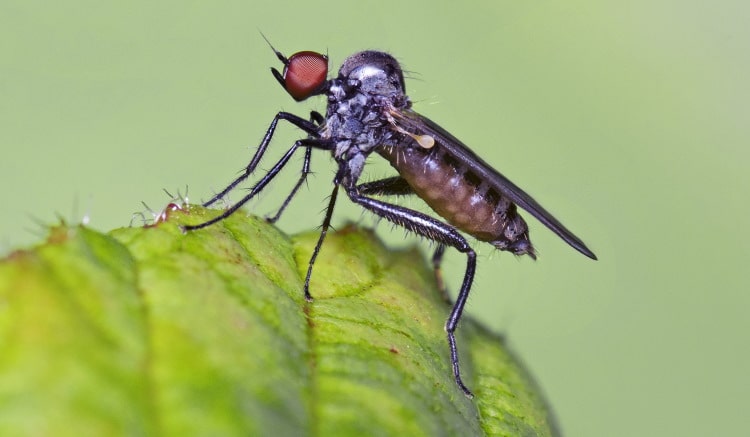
point(368, 87)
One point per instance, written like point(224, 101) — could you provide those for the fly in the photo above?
point(369, 112)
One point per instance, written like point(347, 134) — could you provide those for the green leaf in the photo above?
point(150, 331)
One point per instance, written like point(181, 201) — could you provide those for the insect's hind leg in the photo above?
point(397, 186)
point(394, 186)
point(437, 261)
point(441, 233)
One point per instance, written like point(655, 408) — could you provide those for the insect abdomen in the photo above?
point(460, 197)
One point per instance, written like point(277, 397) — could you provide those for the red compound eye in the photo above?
point(304, 73)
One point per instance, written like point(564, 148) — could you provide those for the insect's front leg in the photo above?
point(317, 118)
point(322, 144)
point(441, 233)
point(307, 126)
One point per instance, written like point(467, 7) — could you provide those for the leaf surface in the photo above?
point(149, 331)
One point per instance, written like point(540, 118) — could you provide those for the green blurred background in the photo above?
point(628, 120)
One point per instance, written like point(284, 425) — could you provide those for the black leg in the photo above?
point(437, 260)
point(318, 119)
point(300, 181)
point(441, 233)
point(263, 181)
point(300, 122)
point(395, 186)
point(323, 233)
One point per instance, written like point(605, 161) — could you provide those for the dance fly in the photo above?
point(369, 112)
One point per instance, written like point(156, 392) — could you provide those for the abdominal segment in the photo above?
point(456, 194)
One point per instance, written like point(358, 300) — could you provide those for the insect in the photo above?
point(369, 112)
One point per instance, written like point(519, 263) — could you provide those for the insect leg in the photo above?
point(318, 119)
point(303, 176)
point(437, 260)
point(441, 233)
point(395, 186)
point(323, 233)
point(296, 120)
point(309, 143)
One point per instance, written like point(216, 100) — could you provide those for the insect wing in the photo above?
point(421, 125)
